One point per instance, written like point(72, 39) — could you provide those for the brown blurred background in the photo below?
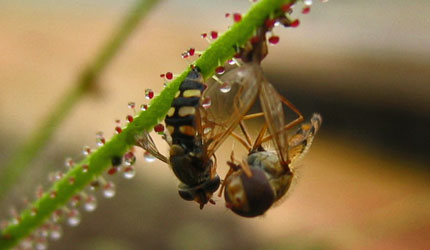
point(364, 65)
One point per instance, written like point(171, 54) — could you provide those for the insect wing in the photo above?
point(301, 141)
point(229, 102)
point(275, 118)
point(145, 141)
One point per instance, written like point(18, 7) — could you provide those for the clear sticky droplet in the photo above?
point(57, 215)
point(118, 129)
point(100, 139)
point(94, 185)
point(27, 244)
point(44, 231)
point(185, 55)
point(56, 232)
point(69, 163)
point(85, 168)
point(131, 105)
point(149, 94)
point(148, 157)
point(59, 175)
point(129, 118)
point(14, 221)
point(225, 87)
point(74, 202)
point(129, 159)
point(74, 218)
point(129, 172)
point(307, 2)
point(206, 103)
point(41, 244)
point(86, 150)
point(109, 190)
point(143, 107)
point(90, 203)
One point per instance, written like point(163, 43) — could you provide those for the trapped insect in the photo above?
point(253, 185)
point(264, 177)
point(199, 120)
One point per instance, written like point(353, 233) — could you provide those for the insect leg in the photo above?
point(233, 167)
point(241, 140)
point(291, 124)
point(259, 139)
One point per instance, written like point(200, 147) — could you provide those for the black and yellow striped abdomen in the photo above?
point(181, 118)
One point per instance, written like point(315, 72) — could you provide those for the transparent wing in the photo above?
point(229, 102)
point(300, 142)
point(271, 105)
point(144, 140)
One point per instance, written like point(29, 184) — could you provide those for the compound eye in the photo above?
point(212, 185)
point(186, 195)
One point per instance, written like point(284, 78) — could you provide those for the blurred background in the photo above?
point(364, 65)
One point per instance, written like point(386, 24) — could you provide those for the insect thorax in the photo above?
point(278, 177)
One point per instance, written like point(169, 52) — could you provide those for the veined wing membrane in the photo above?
point(273, 111)
point(229, 105)
point(145, 141)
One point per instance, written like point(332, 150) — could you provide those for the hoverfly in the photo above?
point(255, 184)
point(196, 129)
point(252, 186)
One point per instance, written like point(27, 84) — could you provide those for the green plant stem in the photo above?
point(219, 52)
point(18, 162)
